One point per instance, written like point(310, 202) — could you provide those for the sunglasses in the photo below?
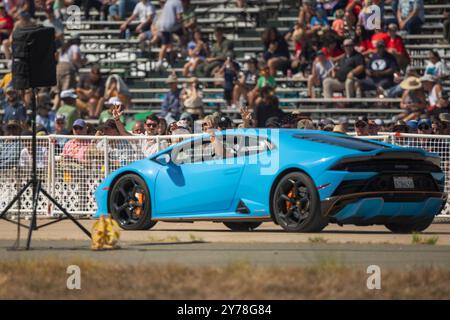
point(151, 124)
point(77, 128)
point(424, 127)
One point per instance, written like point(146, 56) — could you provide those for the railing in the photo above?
point(72, 173)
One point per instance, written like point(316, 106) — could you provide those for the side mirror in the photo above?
point(163, 159)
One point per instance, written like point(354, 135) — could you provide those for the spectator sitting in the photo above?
point(342, 125)
point(361, 128)
point(77, 149)
point(171, 107)
point(436, 67)
point(395, 46)
point(352, 11)
point(276, 51)
point(116, 87)
point(107, 113)
point(273, 123)
point(380, 70)
point(320, 70)
point(338, 25)
point(306, 124)
point(60, 129)
point(6, 23)
point(26, 159)
point(411, 15)
point(246, 81)
point(434, 91)
point(13, 107)
point(412, 126)
point(424, 126)
point(265, 80)
point(45, 117)
point(401, 127)
point(192, 98)
point(69, 109)
point(319, 20)
point(306, 12)
point(7, 78)
point(145, 12)
point(218, 54)
point(90, 90)
point(197, 51)
point(413, 98)
point(332, 50)
point(349, 69)
point(267, 107)
point(138, 128)
point(10, 148)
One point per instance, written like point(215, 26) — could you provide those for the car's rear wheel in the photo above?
point(129, 203)
point(296, 204)
point(242, 226)
point(410, 227)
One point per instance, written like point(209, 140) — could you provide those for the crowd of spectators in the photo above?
point(334, 51)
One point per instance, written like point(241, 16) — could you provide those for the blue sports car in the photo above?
point(301, 180)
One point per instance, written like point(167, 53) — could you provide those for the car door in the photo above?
point(204, 184)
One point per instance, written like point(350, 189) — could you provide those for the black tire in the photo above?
point(296, 204)
point(242, 226)
point(124, 204)
point(409, 227)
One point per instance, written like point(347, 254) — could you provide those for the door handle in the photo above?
point(232, 171)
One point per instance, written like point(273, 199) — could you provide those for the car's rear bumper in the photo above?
point(368, 208)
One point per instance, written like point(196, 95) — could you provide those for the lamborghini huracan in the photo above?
point(301, 180)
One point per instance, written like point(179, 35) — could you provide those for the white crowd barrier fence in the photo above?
point(71, 168)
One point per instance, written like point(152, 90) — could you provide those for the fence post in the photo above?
point(157, 144)
point(51, 172)
point(106, 156)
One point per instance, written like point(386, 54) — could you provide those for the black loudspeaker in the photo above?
point(33, 52)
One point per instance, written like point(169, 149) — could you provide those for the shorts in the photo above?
point(166, 36)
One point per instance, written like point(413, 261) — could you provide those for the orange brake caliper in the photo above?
point(291, 194)
point(140, 200)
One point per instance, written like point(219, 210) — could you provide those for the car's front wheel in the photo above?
point(296, 204)
point(129, 203)
point(242, 226)
point(410, 227)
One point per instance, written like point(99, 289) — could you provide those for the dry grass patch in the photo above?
point(36, 279)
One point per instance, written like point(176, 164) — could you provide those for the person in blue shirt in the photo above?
point(170, 106)
point(13, 107)
point(45, 117)
point(10, 149)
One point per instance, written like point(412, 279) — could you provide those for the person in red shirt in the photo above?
point(352, 10)
point(6, 23)
point(379, 35)
point(396, 47)
point(331, 50)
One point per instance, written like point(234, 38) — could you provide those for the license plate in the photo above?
point(403, 183)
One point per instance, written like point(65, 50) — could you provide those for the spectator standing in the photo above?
point(348, 70)
point(192, 98)
point(170, 22)
point(53, 22)
point(230, 70)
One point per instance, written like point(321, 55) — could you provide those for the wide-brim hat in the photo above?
point(411, 83)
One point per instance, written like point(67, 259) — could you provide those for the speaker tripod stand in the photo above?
point(36, 186)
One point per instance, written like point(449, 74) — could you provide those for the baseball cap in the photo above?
point(114, 101)
point(68, 94)
point(60, 116)
point(79, 123)
point(379, 122)
point(9, 88)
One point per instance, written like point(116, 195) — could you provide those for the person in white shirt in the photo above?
point(144, 12)
point(436, 67)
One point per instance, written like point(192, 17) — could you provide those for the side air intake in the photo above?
point(242, 208)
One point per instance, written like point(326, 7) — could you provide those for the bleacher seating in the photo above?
point(101, 44)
